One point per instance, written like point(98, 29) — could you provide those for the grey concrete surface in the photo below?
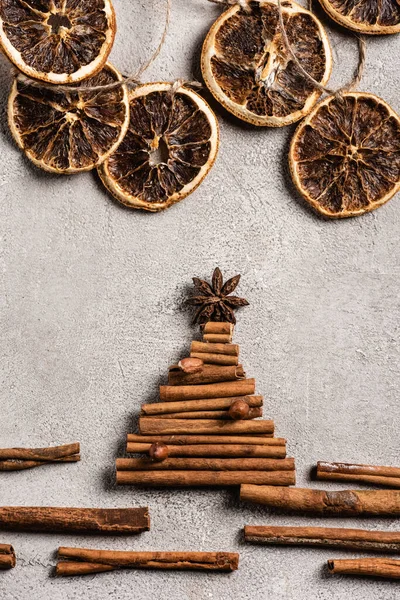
point(90, 320)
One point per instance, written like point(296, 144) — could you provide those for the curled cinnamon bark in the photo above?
point(154, 426)
point(215, 359)
point(158, 408)
point(252, 413)
point(218, 327)
point(207, 439)
point(238, 450)
point(387, 476)
point(241, 387)
point(206, 478)
point(229, 349)
point(7, 557)
point(191, 365)
point(207, 374)
point(204, 464)
point(18, 459)
point(217, 338)
point(388, 568)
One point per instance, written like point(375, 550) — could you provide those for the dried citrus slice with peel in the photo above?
point(345, 155)
point(170, 146)
point(69, 132)
point(365, 16)
point(58, 41)
point(247, 68)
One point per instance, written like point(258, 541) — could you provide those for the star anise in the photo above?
point(215, 301)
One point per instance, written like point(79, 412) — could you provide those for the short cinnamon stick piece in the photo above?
point(387, 476)
point(241, 387)
point(370, 567)
point(217, 338)
point(75, 520)
point(252, 413)
point(85, 561)
point(326, 537)
point(218, 327)
point(204, 464)
point(229, 349)
point(215, 450)
point(208, 374)
point(158, 408)
point(215, 359)
point(7, 557)
point(18, 459)
point(206, 478)
point(206, 439)
point(154, 426)
point(321, 502)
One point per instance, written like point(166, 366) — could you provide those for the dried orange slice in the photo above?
point(58, 41)
point(345, 156)
point(69, 132)
point(247, 67)
point(170, 146)
point(365, 16)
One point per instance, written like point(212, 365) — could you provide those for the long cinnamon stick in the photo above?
point(85, 561)
point(17, 459)
point(7, 557)
point(217, 338)
point(151, 426)
point(208, 374)
point(158, 408)
point(207, 478)
point(230, 349)
point(327, 537)
point(74, 520)
point(242, 387)
point(388, 568)
point(215, 359)
point(218, 327)
point(206, 464)
point(214, 450)
point(207, 439)
point(320, 502)
point(387, 476)
point(254, 413)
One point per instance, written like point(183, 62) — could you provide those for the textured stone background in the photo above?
point(91, 319)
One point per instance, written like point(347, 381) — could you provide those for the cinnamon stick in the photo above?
point(151, 426)
point(387, 476)
point(85, 561)
point(208, 374)
point(158, 408)
point(218, 327)
point(388, 568)
point(7, 557)
point(207, 478)
point(327, 537)
point(207, 439)
point(206, 464)
point(238, 450)
point(217, 338)
point(254, 413)
point(230, 349)
point(18, 459)
point(74, 520)
point(241, 387)
point(320, 502)
point(215, 359)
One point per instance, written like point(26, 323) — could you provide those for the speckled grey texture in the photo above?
point(90, 320)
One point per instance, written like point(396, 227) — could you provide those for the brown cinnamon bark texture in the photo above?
point(327, 537)
point(320, 502)
point(388, 568)
point(215, 359)
point(215, 450)
point(253, 413)
point(85, 561)
point(387, 476)
point(18, 459)
point(154, 426)
point(217, 338)
point(206, 439)
point(7, 557)
point(207, 478)
point(75, 520)
point(218, 327)
point(229, 349)
point(206, 464)
point(208, 374)
point(241, 387)
point(158, 408)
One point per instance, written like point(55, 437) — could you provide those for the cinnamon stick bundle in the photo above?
point(154, 426)
point(206, 439)
point(7, 557)
point(18, 459)
point(83, 561)
point(229, 349)
point(218, 327)
point(320, 502)
point(326, 537)
point(75, 520)
point(388, 568)
point(158, 408)
point(254, 413)
point(204, 464)
point(208, 374)
point(387, 476)
point(217, 338)
point(215, 450)
point(206, 478)
point(215, 359)
point(241, 387)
